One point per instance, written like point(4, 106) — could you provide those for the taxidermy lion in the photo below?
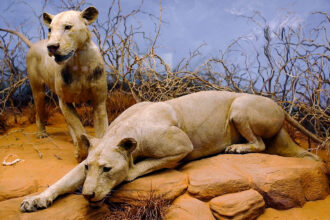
point(152, 136)
point(70, 64)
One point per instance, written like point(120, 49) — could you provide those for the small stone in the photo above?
point(188, 208)
point(247, 204)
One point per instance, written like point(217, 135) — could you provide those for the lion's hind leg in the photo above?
point(254, 143)
point(283, 145)
point(255, 118)
point(38, 92)
point(241, 118)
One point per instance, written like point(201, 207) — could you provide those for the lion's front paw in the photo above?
point(33, 203)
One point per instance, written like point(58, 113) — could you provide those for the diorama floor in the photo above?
point(43, 161)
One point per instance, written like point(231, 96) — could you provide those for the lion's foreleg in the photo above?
point(38, 92)
point(100, 119)
point(149, 165)
point(171, 142)
point(73, 135)
point(72, 118)
point(67, 184)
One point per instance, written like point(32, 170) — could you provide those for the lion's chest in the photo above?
point(78, 83)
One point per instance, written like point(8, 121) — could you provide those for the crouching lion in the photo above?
point(152, 136)
point(70, 64)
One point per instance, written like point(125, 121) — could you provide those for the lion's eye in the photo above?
point(68, 27)
point(106, 169)
point(86, 167)
point(49, 30)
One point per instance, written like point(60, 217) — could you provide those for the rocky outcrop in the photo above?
point(168, 184)
point(219, 187)
point(71, 207)
point(283, 182)
point(16, 187)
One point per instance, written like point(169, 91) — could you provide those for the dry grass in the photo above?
point(3, 126)
point(15, 117)
point(117, 102)
point(151, 208)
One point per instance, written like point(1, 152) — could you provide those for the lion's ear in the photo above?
point(128, 144)
point(47, 18)
point(85, 140)
point(90, 14)
point(89, 140)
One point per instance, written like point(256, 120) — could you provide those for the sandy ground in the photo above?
point(44, 160)
point(315, 210)
point(48, 159)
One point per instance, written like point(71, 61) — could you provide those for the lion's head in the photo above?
point(68, 32)
point(106, 166)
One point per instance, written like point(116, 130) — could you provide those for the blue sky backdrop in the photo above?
point(187, 23)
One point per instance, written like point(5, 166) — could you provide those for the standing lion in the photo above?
point(71, 65)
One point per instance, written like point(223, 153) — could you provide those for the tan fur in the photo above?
point(76, 79)
point(165, 133)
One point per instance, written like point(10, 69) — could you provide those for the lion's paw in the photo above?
point(33, 203)
point(236, 148)
point(42, 134)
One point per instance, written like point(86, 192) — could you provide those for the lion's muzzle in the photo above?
point(89, 196)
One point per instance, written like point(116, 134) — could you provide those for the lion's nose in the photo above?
point(52, 48)
point(89, 196)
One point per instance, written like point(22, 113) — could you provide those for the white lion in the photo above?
point(159, 135)
point(70, 64)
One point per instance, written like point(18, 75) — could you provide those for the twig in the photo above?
point(5, 163)
point(58, 157)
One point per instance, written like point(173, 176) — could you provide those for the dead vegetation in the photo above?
point(117, 102)
point(287, 64)
point(151, 208)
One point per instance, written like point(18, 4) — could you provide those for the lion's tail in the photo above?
point(302, 129)
point(27, 41)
